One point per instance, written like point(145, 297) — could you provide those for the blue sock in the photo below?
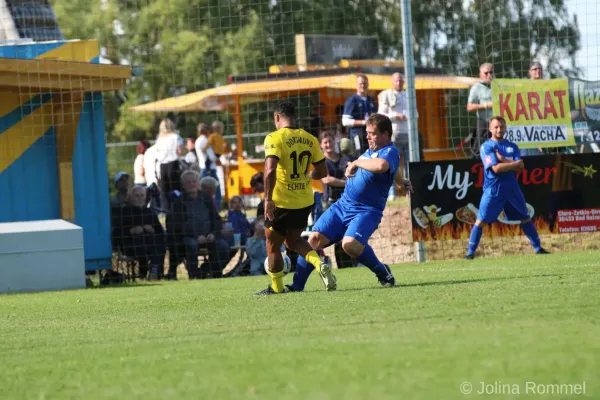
point(370, 260)
point(532, 235)
point(476, 233)
point(303, 271)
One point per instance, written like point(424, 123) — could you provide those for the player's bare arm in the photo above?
point(333, 182)
point(320, 171)
point(375, 165)
point(508, 166)
point(269, 181)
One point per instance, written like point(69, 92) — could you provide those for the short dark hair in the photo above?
point(382, 122)
point(142, 147)
point(497, 118)
point(326, 133)
point(256, 178)
point(286, 108)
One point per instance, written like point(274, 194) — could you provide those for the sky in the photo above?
point(588, 16)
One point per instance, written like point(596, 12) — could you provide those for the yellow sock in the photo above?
point(277, 281)
point(313, 258)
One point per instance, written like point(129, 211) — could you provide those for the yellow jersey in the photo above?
point(217, 142)
point(296, 150)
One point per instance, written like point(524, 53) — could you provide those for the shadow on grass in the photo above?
point(124, 285)
point(457, 282)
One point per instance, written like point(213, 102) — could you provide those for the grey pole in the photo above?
point(409, 72)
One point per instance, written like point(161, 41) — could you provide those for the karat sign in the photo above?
point(537, 114)
point(562, 194)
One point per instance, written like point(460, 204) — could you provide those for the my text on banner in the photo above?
point(537, 112)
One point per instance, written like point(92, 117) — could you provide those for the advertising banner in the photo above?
point(537, 112)
point(562, 193)
point(330, 49)
point(584, 100)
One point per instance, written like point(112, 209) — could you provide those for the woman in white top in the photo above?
point(138, 164)
point(169, 146)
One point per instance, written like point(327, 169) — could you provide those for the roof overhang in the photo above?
point(34, 74)
point(224, 97)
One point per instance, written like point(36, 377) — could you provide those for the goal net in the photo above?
point(91, 86)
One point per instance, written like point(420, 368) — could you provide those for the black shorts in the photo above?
point(286, 219)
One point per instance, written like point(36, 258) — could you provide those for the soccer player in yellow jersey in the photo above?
point(289, 152)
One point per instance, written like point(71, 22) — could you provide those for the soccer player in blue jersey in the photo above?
point(501, 161)
point(357, 214)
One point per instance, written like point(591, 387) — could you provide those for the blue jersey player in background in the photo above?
point(501, 192)
point(357, 214)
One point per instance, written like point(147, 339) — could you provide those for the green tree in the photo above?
point(182, 46)
point(460, 36)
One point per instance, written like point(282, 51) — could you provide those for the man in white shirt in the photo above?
point(394, 104)
point(150, 165)
point(206, 156)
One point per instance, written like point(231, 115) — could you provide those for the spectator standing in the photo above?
point(217, 142)
point(480, 102)
point(191, 159)
point(335, 181)
point(258, 184)
point(138, 164)
point(149, 163)
point(357, 110)
point(394, 103)
point(169, 146)
point(206, 157)
point(536, 71)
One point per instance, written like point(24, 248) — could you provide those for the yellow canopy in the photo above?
point(223, 97)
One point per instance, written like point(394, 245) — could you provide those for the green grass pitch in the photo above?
point(502, 321)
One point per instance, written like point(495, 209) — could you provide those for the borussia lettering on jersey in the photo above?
point(296, 186)
point(299, 140)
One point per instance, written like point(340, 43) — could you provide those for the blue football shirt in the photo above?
point(510, 151)
point(369, 190)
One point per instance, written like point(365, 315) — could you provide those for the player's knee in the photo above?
point(317, 241)
point(352, 247)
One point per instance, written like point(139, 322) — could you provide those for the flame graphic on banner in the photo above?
point(463, 231)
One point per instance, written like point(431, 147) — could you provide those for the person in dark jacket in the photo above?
point(192, 224)
point(139, 234)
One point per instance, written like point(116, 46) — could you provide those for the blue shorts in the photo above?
point(511, 201)
point(339, 221)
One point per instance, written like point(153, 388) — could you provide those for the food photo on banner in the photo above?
point(537, 113)
point(562, 193)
